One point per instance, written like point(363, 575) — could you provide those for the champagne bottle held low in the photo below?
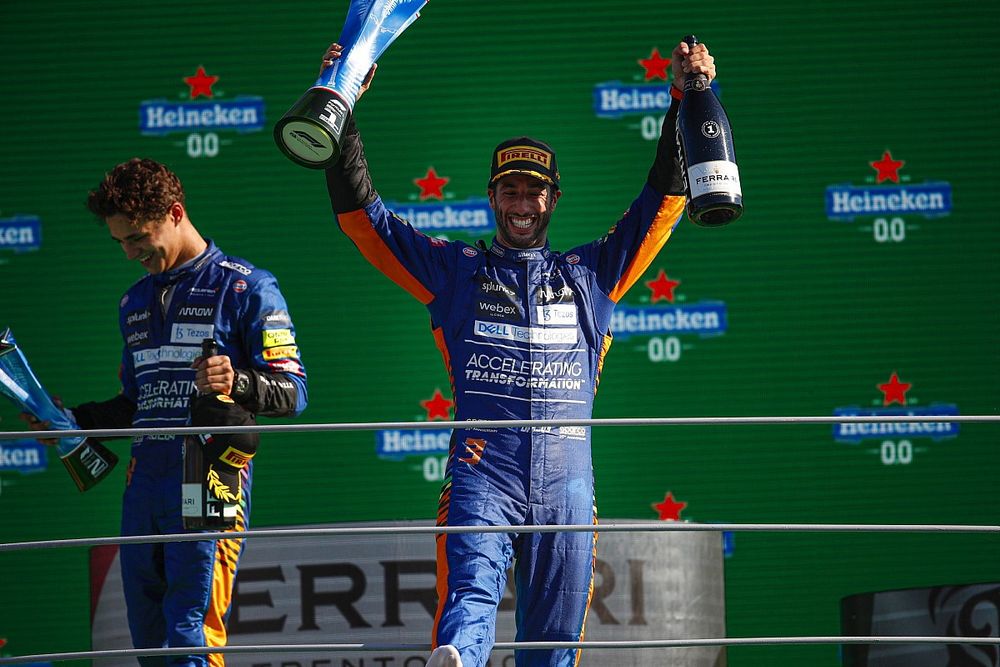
point(211, 491)
point(705, 141)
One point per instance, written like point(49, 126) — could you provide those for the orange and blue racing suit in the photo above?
point(179, 593)
point(523, 334)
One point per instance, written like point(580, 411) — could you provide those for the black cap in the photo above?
point(226, 453)
point(524, 155)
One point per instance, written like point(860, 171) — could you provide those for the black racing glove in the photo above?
point(225, 454)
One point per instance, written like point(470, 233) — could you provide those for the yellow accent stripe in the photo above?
point(605, 346)
point(670, 209)
point(227, 554)
point(442, 347)
point(590, 591)
point(444, 503)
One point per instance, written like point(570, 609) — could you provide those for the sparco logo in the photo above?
point(239, 268)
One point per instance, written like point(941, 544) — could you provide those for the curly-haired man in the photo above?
point(178, 593)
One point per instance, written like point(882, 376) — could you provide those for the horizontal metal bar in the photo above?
point(665, 526)
point(503, 423)
point(500, 646)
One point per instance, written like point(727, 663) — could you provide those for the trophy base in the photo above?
point(89, 463)
point(309, 133)
point(715, 209)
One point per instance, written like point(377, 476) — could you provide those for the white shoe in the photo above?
point(445, 656)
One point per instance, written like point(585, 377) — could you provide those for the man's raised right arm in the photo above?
point(412, 260)
point(348, 181)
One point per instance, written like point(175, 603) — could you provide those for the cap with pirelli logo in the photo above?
point(524, 155)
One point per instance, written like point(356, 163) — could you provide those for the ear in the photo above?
point(177, 212)
point(489, 194)
point(556, 194)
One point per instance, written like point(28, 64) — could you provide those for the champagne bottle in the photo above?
point(201, 509)
point(705, 141)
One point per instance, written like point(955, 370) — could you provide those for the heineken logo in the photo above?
point(202, 114)
point(20, 233)
point(888, 193)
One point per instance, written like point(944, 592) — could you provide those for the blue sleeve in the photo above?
point(621, 257)
point(278, 376)
point(126, 373)
point(418, 263)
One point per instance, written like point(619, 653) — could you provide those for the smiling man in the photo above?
point(523, 331)
point(178, 594)
point(523, 191)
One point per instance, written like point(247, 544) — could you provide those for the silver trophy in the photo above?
point(309, 133)
point(86, 460)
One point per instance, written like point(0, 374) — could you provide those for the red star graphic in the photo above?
point(655, 66)
point(431, 185)
point(887, 168)
point(894, 390)
point(437, 406)
point(662, 287)
point(201, 83)
point(669, 509)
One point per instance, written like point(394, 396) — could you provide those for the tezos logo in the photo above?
point(202, 120)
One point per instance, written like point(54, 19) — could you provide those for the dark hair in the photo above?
point(140, 189)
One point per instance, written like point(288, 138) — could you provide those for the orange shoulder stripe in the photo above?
point(357, 225)
point(663, 224)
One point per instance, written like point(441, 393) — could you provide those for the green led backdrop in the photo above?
point(816, 298)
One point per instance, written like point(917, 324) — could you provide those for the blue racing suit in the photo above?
point(523, 334)
point(179, 593)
